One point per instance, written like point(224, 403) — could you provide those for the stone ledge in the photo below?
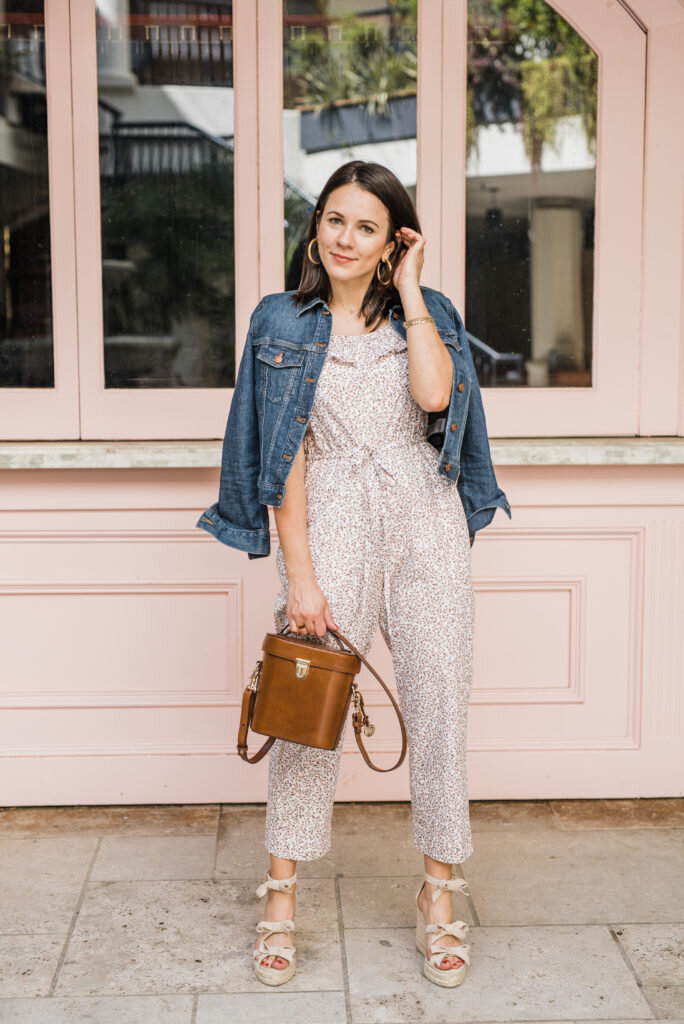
point(511, 451)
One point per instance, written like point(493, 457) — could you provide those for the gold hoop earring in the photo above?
point(377, 273)
point(308, 251)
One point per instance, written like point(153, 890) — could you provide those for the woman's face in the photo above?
point(353, 226)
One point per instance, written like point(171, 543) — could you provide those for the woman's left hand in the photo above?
point(407, 271)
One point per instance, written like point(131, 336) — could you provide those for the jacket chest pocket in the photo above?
point(279, 369)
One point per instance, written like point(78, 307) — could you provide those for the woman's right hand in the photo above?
point(307, 608)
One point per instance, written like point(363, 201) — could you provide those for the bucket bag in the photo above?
point(300, 691)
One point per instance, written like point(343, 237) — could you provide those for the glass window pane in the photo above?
point(530, 188)
point(349, 94)
point(165, 100)
point(26, 343)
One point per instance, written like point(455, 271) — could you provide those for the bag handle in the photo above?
point(359, 717)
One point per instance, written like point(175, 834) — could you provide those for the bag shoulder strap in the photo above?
point(360, 718)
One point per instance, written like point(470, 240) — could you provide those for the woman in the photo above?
point(375, 524)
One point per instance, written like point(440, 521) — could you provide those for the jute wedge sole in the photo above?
point(431, 969)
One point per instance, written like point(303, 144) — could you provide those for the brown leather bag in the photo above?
point(301, 691)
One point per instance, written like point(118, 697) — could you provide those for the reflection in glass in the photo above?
point(530, 187)
point(165, 100)
point(349, 94)
point(26, 344)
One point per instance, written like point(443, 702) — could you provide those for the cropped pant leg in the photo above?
point(427, 620)
point(302, 779)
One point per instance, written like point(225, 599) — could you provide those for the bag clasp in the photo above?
point(302, 667)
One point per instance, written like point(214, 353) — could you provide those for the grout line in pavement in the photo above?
point(614, 934)
point(169, 994)
point(193, 1014)
point(343, 949)
point(74, 916)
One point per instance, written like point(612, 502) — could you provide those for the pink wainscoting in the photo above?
point(128, 637)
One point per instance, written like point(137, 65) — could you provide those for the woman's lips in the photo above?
point(342, 259)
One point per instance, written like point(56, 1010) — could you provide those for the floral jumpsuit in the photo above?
point(390, 546)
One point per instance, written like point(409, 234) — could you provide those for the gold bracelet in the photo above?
point(419, 320)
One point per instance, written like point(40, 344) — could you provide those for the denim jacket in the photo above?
point(274, 392)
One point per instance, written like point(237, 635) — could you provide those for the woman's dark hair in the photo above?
point(382, 183)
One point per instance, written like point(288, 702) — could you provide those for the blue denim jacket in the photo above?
point(274, 392)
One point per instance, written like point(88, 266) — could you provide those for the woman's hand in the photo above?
point(307, 608)
point(407, 271)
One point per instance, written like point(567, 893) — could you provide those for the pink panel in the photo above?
point(505, 670)
point(149, 631)
point(662, 361)
point(270, 134)
point(139, 642)
point(429, 132)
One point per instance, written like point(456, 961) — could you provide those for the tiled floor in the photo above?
point(136, 915)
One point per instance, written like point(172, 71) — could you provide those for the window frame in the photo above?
point(610, 405)
point(32, 414)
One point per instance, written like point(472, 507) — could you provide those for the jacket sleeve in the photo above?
point(238, 518)
point(477, 475)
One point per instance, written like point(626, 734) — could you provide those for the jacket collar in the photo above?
point(317, 299)
point(310, 304)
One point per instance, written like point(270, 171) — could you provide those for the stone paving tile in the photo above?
point(241, 852)
point(103, 1010)
point(655, 951)
point(562, 972)
point(279, 1006)
point(27, 964)
point(663, 812)
point(585, 877)
point(122, 858)
point(388, 902)
point(488, 815)
point(142, 938)
point(161, 819)
point(667, 1001)
point(41, 882)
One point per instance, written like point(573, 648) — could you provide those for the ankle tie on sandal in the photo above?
point(446, 885)
point(280, 884)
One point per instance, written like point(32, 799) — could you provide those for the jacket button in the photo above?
point(326, 312)
point(301, 419)
point(460, 386)
point(471, 536)
point(278, 494)
point(278, 358)
point(395, 315)
point(448, 466)
point(454, 425)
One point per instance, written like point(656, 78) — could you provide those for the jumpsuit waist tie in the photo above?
point(365, 458)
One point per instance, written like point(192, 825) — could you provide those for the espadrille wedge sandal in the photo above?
point(434, 932)
point(268, 974)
